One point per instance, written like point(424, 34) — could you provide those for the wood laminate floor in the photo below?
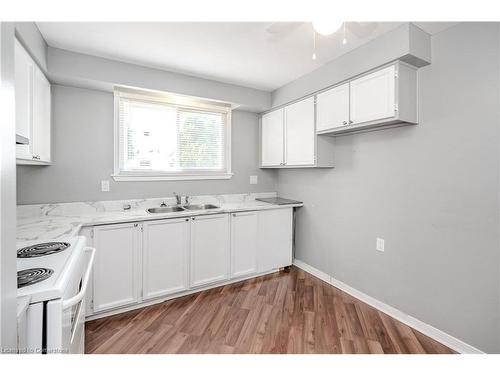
point(285, 312)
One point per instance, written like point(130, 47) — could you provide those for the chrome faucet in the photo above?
point(178, 198)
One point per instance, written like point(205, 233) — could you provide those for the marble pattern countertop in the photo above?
point(43, 222)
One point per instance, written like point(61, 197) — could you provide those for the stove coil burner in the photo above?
point(32, 276)
point(42, 249)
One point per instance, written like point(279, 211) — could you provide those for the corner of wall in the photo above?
point(30, 36)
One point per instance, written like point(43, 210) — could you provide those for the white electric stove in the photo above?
point(55, 275)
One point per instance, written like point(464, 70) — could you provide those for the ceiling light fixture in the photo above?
point(344, 40)
point(326, 26)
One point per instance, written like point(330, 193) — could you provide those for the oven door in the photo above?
point(66, 317)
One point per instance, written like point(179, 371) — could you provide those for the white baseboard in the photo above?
point(428, 330)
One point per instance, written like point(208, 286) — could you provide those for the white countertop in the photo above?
point(36, 223)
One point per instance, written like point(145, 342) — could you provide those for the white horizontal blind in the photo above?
point(201, 140)
point(165, 138)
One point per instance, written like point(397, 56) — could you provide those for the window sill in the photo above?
point(153, 177)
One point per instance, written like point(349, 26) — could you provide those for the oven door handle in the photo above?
point(81, 294)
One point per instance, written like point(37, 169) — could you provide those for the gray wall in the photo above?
point(83, 156)
point(80, 70)
point(431, 191)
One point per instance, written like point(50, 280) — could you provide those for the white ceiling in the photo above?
point(253, 54)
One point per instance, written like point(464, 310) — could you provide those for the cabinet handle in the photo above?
point(344, 122)
point(187, 219)
point(193, 218)
point(36, 157)
point(350, 121)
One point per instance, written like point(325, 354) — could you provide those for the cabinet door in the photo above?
point(117, 265)
point(41, 117)
point(332, 108)
point(272, 139)
point(275, 239)
point(165, 257)
point(209, 249)
point(373, 96)
point(24, 100)
point(243, 243)
point(300, 133)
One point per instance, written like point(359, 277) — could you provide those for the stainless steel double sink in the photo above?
point(190, 207)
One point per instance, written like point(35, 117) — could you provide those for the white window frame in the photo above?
point(182, 101)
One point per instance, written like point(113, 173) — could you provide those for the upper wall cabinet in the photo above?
point(383, 97)
point(273, 141)
point(33, 110)
point(24, 67)
point(373, 96)
point(333, 108)
point(288, 138)
point(299, 133)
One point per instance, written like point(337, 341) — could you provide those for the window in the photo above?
point(165, 137)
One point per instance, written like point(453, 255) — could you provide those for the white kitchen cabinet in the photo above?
point(372, 96)
point(275, 236)
point(244, 242)
point(289, 140)
point(209, 249)
point(273, 143)
point(165, 257)
point(139, 263)
point(386, 96)
point(41, 117)
point(332, 108)
point(33, 110)
point(300, 134)
point(117, 265)
point(23, 67)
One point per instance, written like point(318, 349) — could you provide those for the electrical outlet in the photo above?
point(380, 244)
point(104, 185)
point(254, 180)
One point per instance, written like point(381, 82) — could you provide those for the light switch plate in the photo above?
point(104, 185)
point(254, 180)
point(380, 244)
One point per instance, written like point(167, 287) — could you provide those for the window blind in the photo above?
point(162, 137)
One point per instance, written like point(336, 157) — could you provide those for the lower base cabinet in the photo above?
point(244, 243)
point(165, 257)
point(275, 239)
point(138, 262)
point(117, 268)
point(209, 249)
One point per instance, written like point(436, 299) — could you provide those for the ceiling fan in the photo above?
point(359, 29)
point(323, 27)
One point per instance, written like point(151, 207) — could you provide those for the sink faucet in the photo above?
point(178, 198)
